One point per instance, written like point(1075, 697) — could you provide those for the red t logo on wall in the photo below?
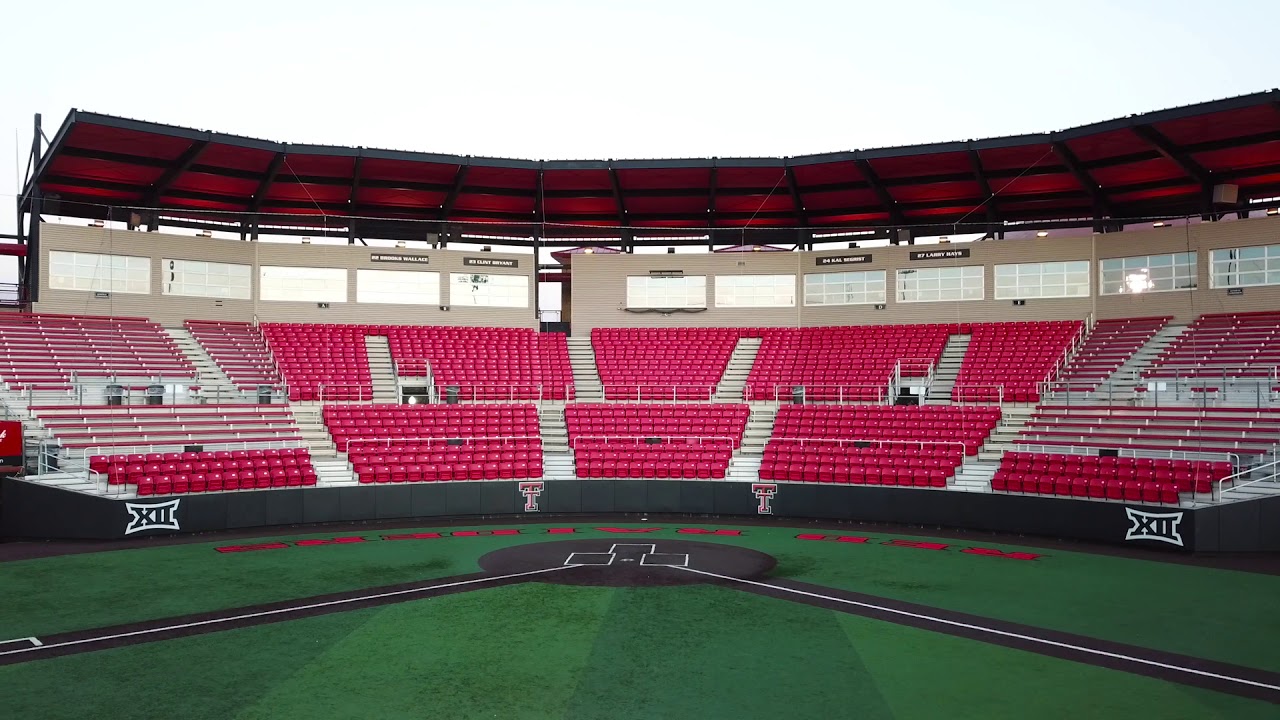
point(764, 492)
point(10, 443)
point(531, 490)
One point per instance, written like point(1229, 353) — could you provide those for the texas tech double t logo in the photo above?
point(531, 490)
point(764, 492)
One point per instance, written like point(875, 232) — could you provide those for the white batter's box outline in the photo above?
point(684, 562)
point(588, 559)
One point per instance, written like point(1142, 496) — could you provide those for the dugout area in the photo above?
point(668, 618)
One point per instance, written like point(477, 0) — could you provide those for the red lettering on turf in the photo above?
point(833, 538)
point(478, 533)
point(413, 536)
point(561, 531)
point(250, 548)
point(628, 530)
point(331, 541)
point(917, 544)
point(702, 531)
point(992, 552)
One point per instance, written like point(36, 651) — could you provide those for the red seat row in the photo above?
point(1008, 361)
point(210, 471)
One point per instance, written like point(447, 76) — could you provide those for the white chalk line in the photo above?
point(33, 640)
point(990, 630)
point(280, 611)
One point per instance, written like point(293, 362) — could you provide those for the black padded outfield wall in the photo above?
point(37, 511)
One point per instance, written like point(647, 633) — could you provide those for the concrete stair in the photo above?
point(947, 370)
point(1118, 387)
point(759, 428)
point(974, 475)
point(1013, 418)
point(743, 468)
point(333, 471)
point(215, 386)
point(557, 465)
point(382, 370)
point(315, 435)
point(586, 376)
point(555, 435)
point(733, 384)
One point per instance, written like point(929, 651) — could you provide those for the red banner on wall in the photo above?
point(10, 443)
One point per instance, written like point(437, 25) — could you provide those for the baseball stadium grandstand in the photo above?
point(923, 418)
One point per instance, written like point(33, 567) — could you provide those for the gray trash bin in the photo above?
point(797, 394)
point(115, 394)
point(264, 394)
point(155, 394)
point(451, 394)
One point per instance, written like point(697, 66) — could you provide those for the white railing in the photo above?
point(660, 392)
point(984, 399)
point(1275, 475)
point(860, 394)
point(429, 441)
point(1093, 450)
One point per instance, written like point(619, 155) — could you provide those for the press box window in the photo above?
point(644, 291)
point(303, 284)
point(845, 288)
point(93, 272)
point(488, 290)
point(1148, 273)
point(940, 284)
point(198, 278)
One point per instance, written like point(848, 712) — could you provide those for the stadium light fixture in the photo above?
point(400, 244)
point(1272, 212)
point(1043, 233)
point(96, 223)
point(1158, 224)
point(306, 241)
point(204, 234)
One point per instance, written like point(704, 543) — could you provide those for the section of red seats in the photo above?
point(848, 364)
point(1147, 480)
point(1230, 345)
point(874, 444)
point(662, 363)
point(638, 440)
point(45, 351)
point(1007, 361)
point(330, 362)
point(427, 443)
point(1109, 344)
point(178, 473)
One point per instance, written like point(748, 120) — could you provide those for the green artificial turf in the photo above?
point(1217, 614)
point(548, 651)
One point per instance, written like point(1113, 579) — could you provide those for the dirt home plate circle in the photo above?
point(629, 562)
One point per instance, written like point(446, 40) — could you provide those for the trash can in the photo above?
point(451, 394)
point(264, 394)
point(155, 394)
point(115, 394)
point(797, 394)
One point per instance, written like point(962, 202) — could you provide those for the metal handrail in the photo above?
point(1274, 475)
point(674, 388)
point(1065, 449)
point(782, 390)
point(638, 439)
point(962, 386)
point(840, 442)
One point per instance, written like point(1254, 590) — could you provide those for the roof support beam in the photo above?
point(1101, 205)
point(802, 217)
point(539, 204)
point(179, 166)
point(1173, 154)
point(890, 205)
point(988, 197)
point(356, 172)
point(459, 180)
point(713, 187)
point(260, 195)
point(617, 196)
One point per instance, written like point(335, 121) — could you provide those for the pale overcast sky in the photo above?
point(563, 79)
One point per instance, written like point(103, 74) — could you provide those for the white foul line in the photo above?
point(993, 631)
point(264, 613)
